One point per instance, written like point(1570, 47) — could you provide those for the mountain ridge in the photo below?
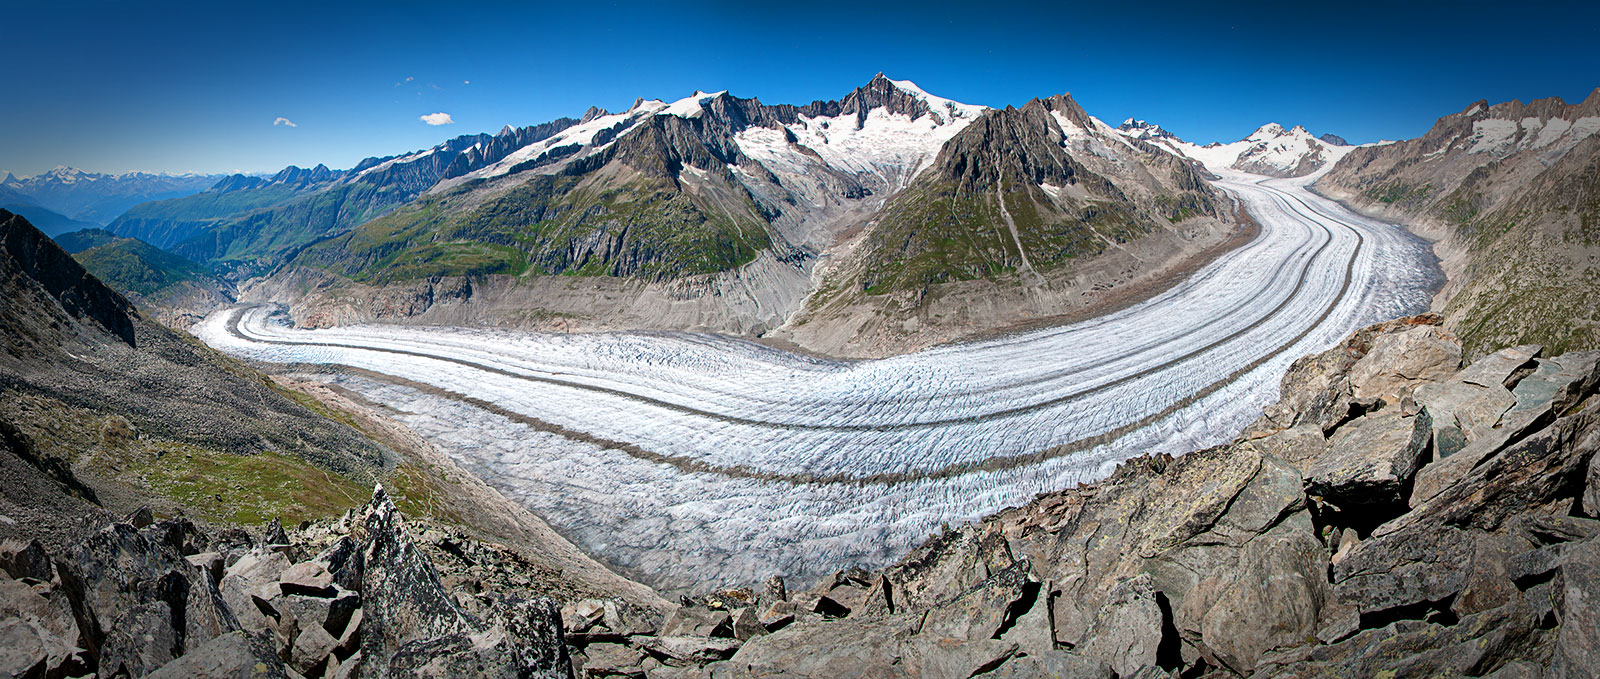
point(1508, 192)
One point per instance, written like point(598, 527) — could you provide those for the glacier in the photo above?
point(695, 461)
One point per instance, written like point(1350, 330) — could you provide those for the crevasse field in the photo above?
point(695, 461)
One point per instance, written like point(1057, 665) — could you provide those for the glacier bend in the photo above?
point(695, 460)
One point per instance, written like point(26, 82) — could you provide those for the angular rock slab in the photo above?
point(1399, 362)
point(1371, 460)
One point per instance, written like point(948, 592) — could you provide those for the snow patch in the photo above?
point(1492, 135)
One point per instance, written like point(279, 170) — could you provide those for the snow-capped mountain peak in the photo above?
point(1270, 150)
point(1141, 129)
point(947, 108)
point(1267, 131)
point(692, 105)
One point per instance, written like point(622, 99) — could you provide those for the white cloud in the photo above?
point(283, 121)
point(437, 119)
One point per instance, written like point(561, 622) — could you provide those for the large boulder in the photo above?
point(1400, 362)
point(1371, 460)
point(139, 603)
point(235, 655)
point(413, 627)
point(38, 634)
point(1577, 649)
point(1126, 633)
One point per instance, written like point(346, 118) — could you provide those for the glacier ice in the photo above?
point(699, 460)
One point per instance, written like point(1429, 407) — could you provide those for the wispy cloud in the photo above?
point(437, 119)
point(280, 120)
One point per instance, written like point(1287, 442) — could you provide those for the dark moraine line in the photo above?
point(690, 465)
point(233, 328)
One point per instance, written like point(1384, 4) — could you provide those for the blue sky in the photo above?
point(197, 87)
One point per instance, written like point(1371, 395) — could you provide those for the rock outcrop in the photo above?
point(1349, 532)
point(165, 599)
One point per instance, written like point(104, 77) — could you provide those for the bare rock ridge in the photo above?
point(33, 256)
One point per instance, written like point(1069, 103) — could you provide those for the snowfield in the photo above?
point(697, 461)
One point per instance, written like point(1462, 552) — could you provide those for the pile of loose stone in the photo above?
point(353, 598)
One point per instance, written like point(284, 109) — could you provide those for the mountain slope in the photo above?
point(253, 223)
point(714, 212)
point(710, 213)
point(103, 411)
point(1511, 192)
point(174, 290)
point(655, 204)
point(1021, 214)
point(702, 213)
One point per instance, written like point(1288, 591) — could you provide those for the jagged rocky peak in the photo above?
point(881, 92)
point(1064, 106)
point(591, 114)
point(1141, 129)
point(237, 182)
point(299, 176)
point(1010, 144)
point(1334, 139)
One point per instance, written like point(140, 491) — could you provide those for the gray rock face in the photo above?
point(1127, 630)
point(411, 623)
point(1577, 651)
point(1371, 460)
point(234, 655)
point(1399, 362)
point(139, 603)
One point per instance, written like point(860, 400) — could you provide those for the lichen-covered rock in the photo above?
point(1577, 648)
point(1371, 460)
point(413, 627)
point(234, 655)
point(38, 634)
point(1127, 631)
point(697, 621)
point(1399, 362)
point(1553, 388)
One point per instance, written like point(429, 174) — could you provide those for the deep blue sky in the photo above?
point(196, 87)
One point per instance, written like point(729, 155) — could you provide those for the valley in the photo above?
point(759, 461)
point(687, 341)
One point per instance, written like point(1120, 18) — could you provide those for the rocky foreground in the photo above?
point(1393, 515)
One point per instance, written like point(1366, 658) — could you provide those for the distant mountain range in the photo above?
point(90, 198)
point(716, 212)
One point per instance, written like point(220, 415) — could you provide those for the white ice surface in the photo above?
point(780, 463)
